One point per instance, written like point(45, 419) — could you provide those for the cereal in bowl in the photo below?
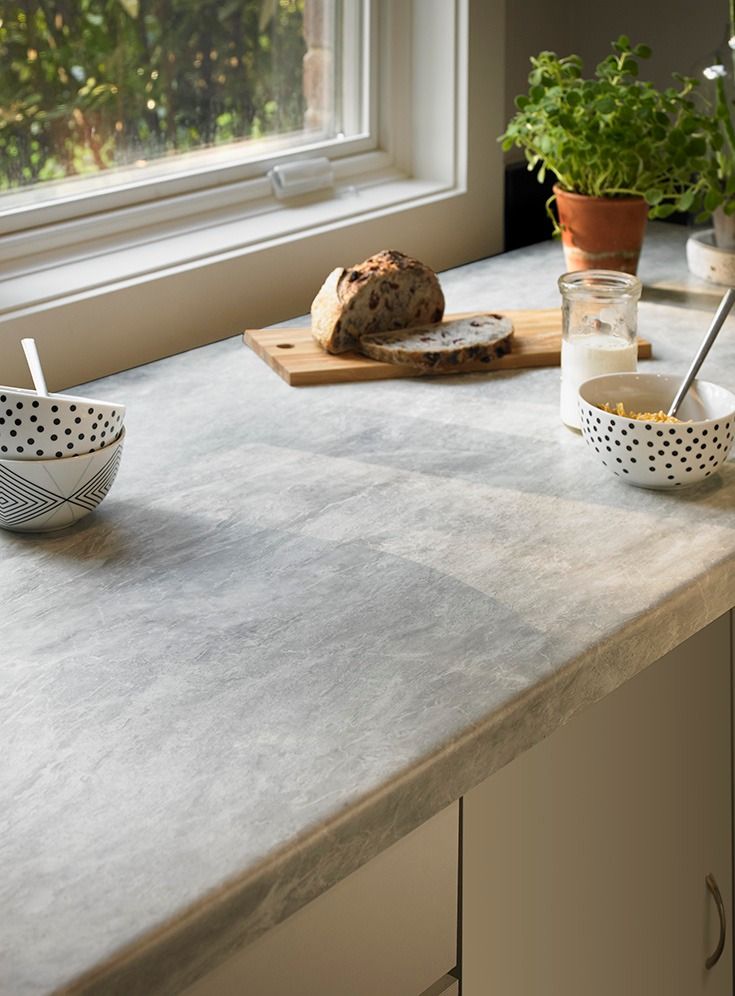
point(619, 409)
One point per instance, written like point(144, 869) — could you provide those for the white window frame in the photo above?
point(30, 209)
point(105, 291)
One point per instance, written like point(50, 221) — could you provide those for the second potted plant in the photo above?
point(711, 253)
point(621, 151)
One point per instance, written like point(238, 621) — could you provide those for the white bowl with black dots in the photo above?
point(657, 454)
point(40, 496)
point(60, 425)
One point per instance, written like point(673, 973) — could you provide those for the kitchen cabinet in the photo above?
point(584, 860)
point(584, 865)
point(388, 929)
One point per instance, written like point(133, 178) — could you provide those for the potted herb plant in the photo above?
point(621, 151)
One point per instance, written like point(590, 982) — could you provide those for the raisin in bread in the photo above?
point(444, 346)
point(387, 291)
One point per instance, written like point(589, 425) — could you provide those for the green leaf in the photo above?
point(654, 195)
point(629, 66)
point(685, 201)
point(688, 125)
point(677, 138)
point(697, 147)
point(521, 101)
point(712, 200)
point(643, 51)
point(663, 210)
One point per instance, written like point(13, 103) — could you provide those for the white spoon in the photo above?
point(34, 365)
point(717, 322)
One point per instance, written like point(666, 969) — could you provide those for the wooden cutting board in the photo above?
point(296, 357)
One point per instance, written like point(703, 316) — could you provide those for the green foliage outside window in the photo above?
point(86, 85)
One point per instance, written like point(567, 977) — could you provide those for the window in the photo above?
point(117, 273)
point(130, 95)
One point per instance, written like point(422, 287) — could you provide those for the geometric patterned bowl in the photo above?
point(38, 496)
point(657, 455)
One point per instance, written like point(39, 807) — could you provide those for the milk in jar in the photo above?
point(599, 313)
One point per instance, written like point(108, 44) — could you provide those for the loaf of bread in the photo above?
point(444, 346)
point(387, 291)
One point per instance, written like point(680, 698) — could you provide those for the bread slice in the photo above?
point(387, 291)
point(444, 346)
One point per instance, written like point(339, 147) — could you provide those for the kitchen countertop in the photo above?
point(307, 619)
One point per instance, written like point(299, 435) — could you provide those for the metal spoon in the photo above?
point(717, 322)
point(34, 365)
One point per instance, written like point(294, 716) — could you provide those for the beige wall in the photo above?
point(683, 34)
point(532, 26)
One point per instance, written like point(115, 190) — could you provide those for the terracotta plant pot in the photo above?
point(601, 233)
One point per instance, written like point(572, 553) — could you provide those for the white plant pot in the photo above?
point(708, 261)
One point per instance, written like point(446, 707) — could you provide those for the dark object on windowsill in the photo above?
point(525, 218)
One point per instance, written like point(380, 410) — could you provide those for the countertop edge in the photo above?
point(236, 914)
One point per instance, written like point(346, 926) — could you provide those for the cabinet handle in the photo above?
point(716, 895)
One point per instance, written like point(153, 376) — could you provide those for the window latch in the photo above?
point(301, 177)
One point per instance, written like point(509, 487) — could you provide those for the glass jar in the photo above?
point(599, 326)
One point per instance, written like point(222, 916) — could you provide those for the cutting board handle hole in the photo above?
point(284, 345)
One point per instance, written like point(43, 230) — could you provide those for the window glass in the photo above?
point(110, 88)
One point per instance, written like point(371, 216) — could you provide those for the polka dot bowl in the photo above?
point(60, 425)
point(40, 496)
point(657, 454)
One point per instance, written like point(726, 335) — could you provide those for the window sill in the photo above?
point(144, 255)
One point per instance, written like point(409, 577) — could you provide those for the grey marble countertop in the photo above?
point(305, 620)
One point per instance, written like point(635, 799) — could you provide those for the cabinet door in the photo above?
point(389, 928)
point(585, 859)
